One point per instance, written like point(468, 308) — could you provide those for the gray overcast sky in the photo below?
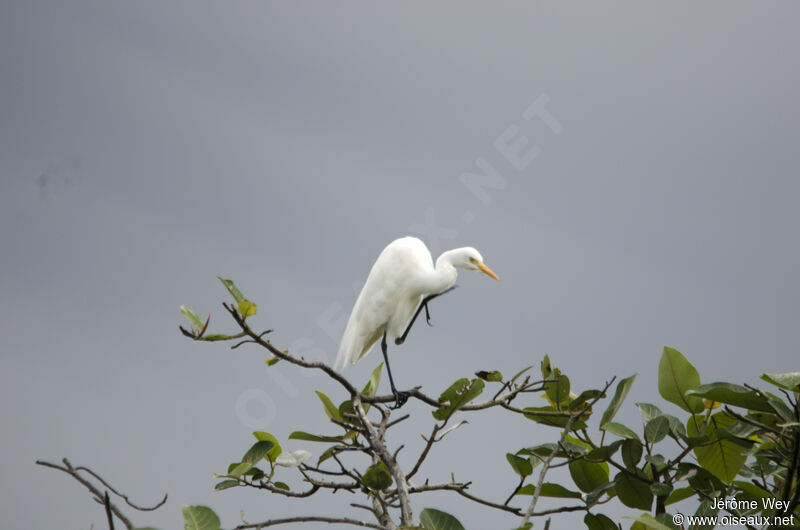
point(146, 147)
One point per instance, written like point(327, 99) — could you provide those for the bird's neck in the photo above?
point(443, 276)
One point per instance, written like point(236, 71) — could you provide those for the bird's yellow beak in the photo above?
point(486, 269)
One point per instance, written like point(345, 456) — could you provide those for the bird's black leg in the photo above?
point(401, 339)
point(400, 398)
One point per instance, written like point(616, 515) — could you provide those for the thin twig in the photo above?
point(429, 443)
point(309, 519)
point(123, 496)
point(383, 453)
point(552, 455)
point(71, 471)
point(390, 398)
point(109, 515)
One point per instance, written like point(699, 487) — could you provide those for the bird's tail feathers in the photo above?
point(343, 356)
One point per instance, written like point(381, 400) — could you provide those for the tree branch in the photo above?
point(391, 463)
point(98, 496)
point(552, 455)
point(122, 496)
point(309, 519)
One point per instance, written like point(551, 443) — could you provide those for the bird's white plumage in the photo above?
point(402, 275)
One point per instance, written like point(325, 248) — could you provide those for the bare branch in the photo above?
point(256, 338)
point(309, 519)
point(510, 509)
point(286, 493)
point(430, 441)
point(71, 471)
point(391, 463)
point(122, 496)
point(109, 515)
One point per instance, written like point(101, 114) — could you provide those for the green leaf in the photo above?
point(492, 376)
point(246, 308)
point(273, 361)
point(660, 489)
point(225, 484)
point(781, 408)
point(588, 475)
point(598, 521)
point(631, 453)
point(656, 461)
point(433, 519)
point(623, 387)
point(199, 518)
point(300, 435)
point(542, 451)
point(579, 445)
point(193, 318)
point(678, 495)
point(595, 495)
point(648, 411)
point(330, 409)
point(457, 395)
point(676, 428)
point(549, 489)
point(705, 510)
point(328, 453)
point(282, 486)
point(214, 337)
point(257, 452)
point(701, 480)
point(521, 466)
point(676, 376)
point(605, 452)
point(667, 520)
point(346, 412)
point(377, 477)
point(724, 457)
point(239, 469)
point(371, 388)
point(740, 429)
point(255, 474)
point(583, 397)
point(648, 521)
point(656, 429)
point(519, 374)
point(550, 416)
point(619, 430)
point(546, 368)
point(632, 492)
point(751, 492)
point(789, 380)
point(273, 453)
point(229, 285)
point(731, 394)
point(558, 390)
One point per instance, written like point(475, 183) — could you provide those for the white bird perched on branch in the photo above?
point(402, 280)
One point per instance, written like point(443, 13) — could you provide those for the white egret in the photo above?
point(402, 280)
